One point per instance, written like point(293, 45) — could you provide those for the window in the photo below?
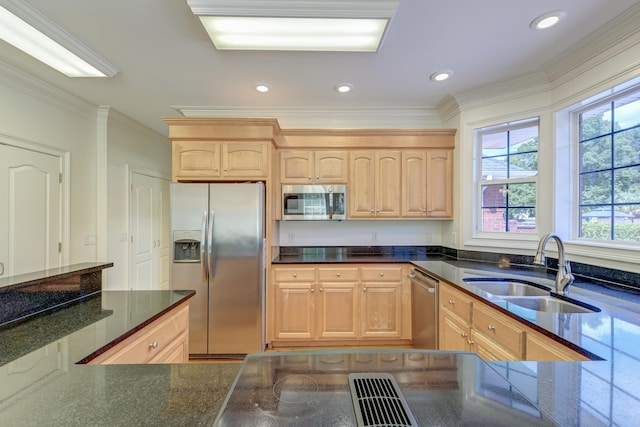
point(507, 176)
point(609, 169)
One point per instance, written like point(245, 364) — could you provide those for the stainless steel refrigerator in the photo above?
point(218, 251)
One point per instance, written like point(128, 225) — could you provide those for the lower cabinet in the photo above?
point(468, 324)
point(349, 305)
point(165, 340)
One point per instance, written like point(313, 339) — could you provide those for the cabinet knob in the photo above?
point(364, 289)
point(318, 177)
point(338, 274)
point(464, 334)
point(309, 178)
point(452, 302)
point(491, 328)
point(381, 274)
point(216, 169)
point(295, 274)
point(154, 344)
point(321, 289)
point(470, 342)
point(372, 211)
point(312, 290)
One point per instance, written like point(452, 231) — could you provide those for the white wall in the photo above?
point(359, 233)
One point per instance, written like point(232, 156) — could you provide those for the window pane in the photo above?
point(522, 195)
point(522, 220)
point(595, 154)
point(494, 196)
point(627, 185)
point(523, 165)
point(595, 188)
point(494, 168)
point(494, 144)
point(524, 139)
point(627, 223)
point(493, 219)
point(627, 148)
point(595, 122)
point(626, 111)
point(596, 223)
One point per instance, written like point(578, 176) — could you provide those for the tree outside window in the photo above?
point(508, 171)
point(609, 170)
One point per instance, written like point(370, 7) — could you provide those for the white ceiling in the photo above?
point(166, 59)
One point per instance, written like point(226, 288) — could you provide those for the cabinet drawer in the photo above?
point(499, 329)
point(337, 274)
point(296, 274)
point(456, 302)
point(146, 344)
point(381, 274)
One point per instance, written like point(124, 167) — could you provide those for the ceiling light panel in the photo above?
point(296, 25)
point(27, 29)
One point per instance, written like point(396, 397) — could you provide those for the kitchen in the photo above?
point(113, 147)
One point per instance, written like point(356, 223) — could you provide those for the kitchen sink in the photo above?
point(507, 286)
point(552, 304)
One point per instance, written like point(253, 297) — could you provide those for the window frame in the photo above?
point(478, 231)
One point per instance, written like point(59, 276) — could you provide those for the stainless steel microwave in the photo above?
point(314, 202)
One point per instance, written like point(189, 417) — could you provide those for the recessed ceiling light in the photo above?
point(262, 88)
point(440, 76)
point(547, 20)
point(343, 87)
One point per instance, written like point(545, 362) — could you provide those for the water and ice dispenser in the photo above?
point(186, 245)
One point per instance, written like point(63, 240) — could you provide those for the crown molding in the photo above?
point(614, 37)
point(448, 108)
point(125, 123)
point(356, 118)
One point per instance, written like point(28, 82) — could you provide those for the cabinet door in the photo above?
point(361, 184)
point(381, 309)
point(194, 160)
point(500, 330)
point(296, 167)
point(337, 310)
point(440, 184)
point(488, 349)
point(542, 348)
point(330, 167)
point(453, 333)
point(414, 184)
point(244, 159)
point(294, 311)
point(387, 184)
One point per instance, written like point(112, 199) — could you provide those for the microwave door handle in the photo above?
point(203, 243)
point(330, 205)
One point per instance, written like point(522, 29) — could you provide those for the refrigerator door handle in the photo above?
point(211, 248)
point(203, 235)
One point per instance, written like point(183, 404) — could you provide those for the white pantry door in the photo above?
point(149, 219)
point(30, 211)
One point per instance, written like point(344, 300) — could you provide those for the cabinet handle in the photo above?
point(464, 334)
point(470, 342)
point(216, 169)
point(295, 274)
point(381, 274)
point(312, 290)
point(309, 178)
point(338, 274)
point(452, 302)
point(491, 328)
point(372, 211)
point(364, 289)
point(318, 177)
point(321, 289)
point(154, 344)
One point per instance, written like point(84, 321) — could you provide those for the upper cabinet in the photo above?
point(206, 149)
point(313, 167)
point(374, 184)
point(427, 184)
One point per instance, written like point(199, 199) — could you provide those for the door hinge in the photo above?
point(59, 246)
point(59, 178)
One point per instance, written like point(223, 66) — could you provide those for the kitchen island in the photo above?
point(42, 384)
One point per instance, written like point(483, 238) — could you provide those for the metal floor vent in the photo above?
point(378, 401)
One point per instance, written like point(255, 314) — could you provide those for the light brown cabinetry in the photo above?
point(469, 324)
point(165, 340)
point(427, 184)
point(374, 184)
point(352, 305)
point(313, 167)
point(214, 160)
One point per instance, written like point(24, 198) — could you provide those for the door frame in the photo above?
point(65, 185)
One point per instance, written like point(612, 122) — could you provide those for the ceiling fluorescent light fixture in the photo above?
point(27, 29)
point(296, 25)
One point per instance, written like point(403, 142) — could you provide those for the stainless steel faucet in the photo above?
point(564, 277)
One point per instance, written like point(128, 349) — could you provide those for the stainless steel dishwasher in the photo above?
point(424, 310)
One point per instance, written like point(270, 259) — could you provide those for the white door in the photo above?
point(149, 219)
point(30, 211)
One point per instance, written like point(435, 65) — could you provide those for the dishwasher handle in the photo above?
point(427, 282)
